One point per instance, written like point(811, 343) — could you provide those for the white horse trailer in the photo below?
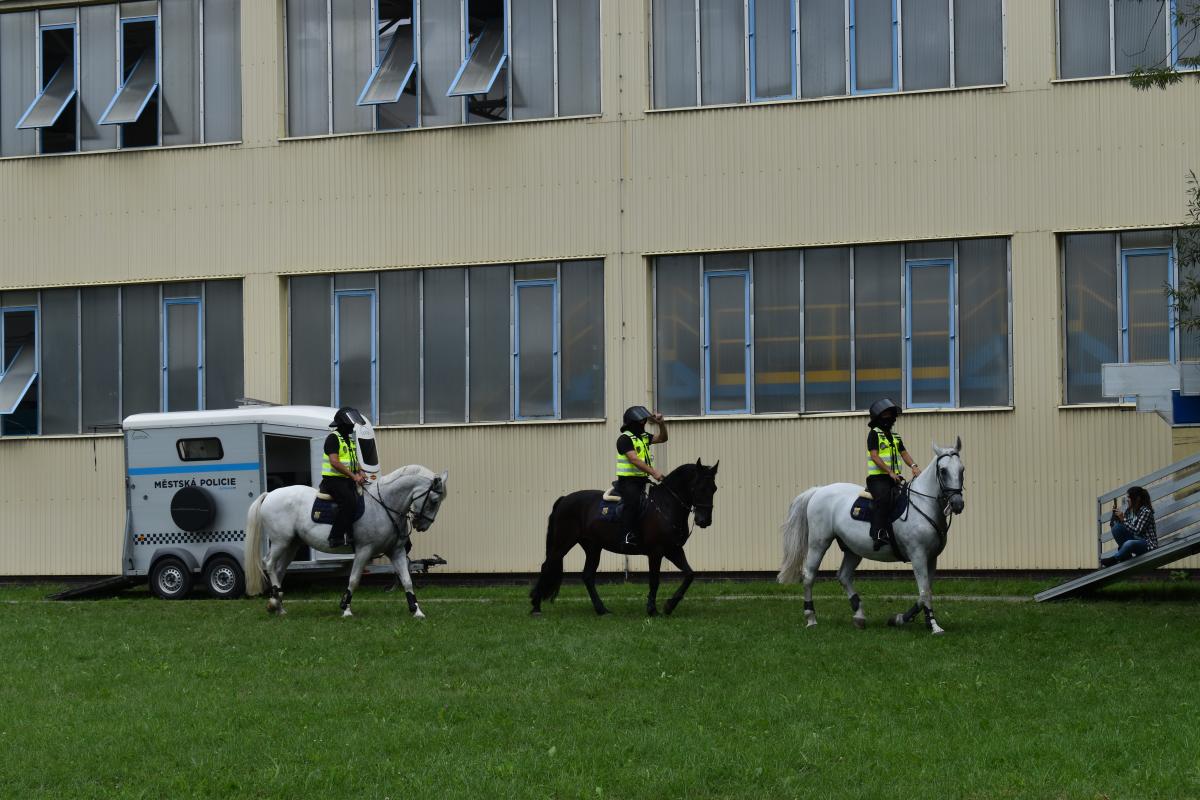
point(190, 477)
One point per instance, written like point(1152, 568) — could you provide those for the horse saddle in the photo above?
point(324, 509)
point(861, 510)
point(611, 505)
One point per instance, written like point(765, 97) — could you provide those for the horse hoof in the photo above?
point(651, 612)
point(812, 623)
point(282, 611)
point(347, 613)
point(860, 623)
point(418, 614)
point(535, 613)
point(937, 630)
point(896, 621)
point(602, 612)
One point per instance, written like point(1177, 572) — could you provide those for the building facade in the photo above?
point(494, 224)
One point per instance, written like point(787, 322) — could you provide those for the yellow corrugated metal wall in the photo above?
point(1026, 161)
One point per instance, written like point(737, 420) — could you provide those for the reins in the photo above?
point(943, 496)
point(409, 512)
point(688, 506)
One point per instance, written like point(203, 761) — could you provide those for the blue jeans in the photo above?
point(1130, 545)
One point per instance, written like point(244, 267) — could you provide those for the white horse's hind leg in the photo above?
point(850, 562)
point(361, 557)
point(400, 562)
point(275, 565)
point(816, 552)
point(922, 570)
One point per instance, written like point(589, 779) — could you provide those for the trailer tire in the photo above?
point(170, 579)
point(224, 579)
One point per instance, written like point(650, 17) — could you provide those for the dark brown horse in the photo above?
point(575, 519)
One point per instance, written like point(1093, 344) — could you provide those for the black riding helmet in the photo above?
point(635, 417)
point(347, 417)
point(879, 408)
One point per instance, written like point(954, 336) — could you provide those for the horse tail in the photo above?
point(795, 538)
point(252, 555)
point(550, 578)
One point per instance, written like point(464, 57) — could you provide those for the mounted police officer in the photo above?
point(635, 465)
point(885, 449)
point(341, 474)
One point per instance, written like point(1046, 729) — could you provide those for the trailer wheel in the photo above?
point(224, 579)
point(170, 579)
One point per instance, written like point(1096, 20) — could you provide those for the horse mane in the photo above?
point(683, 470)
point(411, 469)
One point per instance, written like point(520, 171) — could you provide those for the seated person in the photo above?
point(1133, 530)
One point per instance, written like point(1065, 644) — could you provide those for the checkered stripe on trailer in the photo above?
point(183, 537)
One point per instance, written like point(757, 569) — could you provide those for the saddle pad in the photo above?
point(861, 510)
point(324, 511)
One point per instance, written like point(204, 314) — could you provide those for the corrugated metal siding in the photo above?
point(1025, 162)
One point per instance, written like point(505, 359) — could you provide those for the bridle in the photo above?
point(945, 493)
point(688, 505)
point(410, 513)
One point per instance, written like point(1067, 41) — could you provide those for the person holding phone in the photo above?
point(1133, 529)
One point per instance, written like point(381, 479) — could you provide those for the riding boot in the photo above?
point(337, 538)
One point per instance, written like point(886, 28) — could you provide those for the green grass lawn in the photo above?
point(731, 697)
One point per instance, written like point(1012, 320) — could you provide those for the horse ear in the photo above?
point(444, 477)
point(716, 466)
point(698, 464)
point(958, 444)
point(938, 451)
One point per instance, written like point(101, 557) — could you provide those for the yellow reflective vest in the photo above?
point(641, 448)
point(889, 451)
point(347, 454)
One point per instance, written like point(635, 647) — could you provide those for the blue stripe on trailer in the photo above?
point(249, 466)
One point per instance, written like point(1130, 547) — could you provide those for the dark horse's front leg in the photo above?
point(677, 558)
point(590, 565)
point(655, 573)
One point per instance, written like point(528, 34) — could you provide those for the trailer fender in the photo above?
point(224, 550)
point(182, 555)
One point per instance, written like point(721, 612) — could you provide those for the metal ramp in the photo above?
point(1175, 491)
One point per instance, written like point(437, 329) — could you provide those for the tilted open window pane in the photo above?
point(181, 354)
point(58, 80)
point(926, 44)
point(877, 341)
point(395, 54)
point(777, 331)
point(20, 363)
point(930, 333)
point(1083, 43)
point(873, 45)
point(1090, 263)
point(677, 333)
point(354, 362)
point(1139, 32)
point(1147, 326)
point(822, 48)
point(139, 58)
point(537, 350)
point(727, 332)
point(488, 50)
point(827, 329)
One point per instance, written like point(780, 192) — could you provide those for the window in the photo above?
point(1116, 37)
point(833, 329)
point(1116, 303)
point(208, 449)
point(127, 75)
point(101, 353)
point(18, 371)
point(421, 63)
point(134, 106)
point(485, 343)
point(820, 48)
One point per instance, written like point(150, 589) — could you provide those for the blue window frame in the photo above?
point(487, 54)
point(1147, 320)
point(355, 350)
point(861, 34)
point(19, 370)
point(182, 354)
point(395, 56)
point(536, 362)
point(727, 341)
point(930, 340)
point(59, 81)
point(1185, 43)
point(753, 35)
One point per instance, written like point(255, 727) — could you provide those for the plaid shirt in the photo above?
point(1142, 526)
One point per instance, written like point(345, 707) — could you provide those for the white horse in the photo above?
point(821, 515)
point(410, 494)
